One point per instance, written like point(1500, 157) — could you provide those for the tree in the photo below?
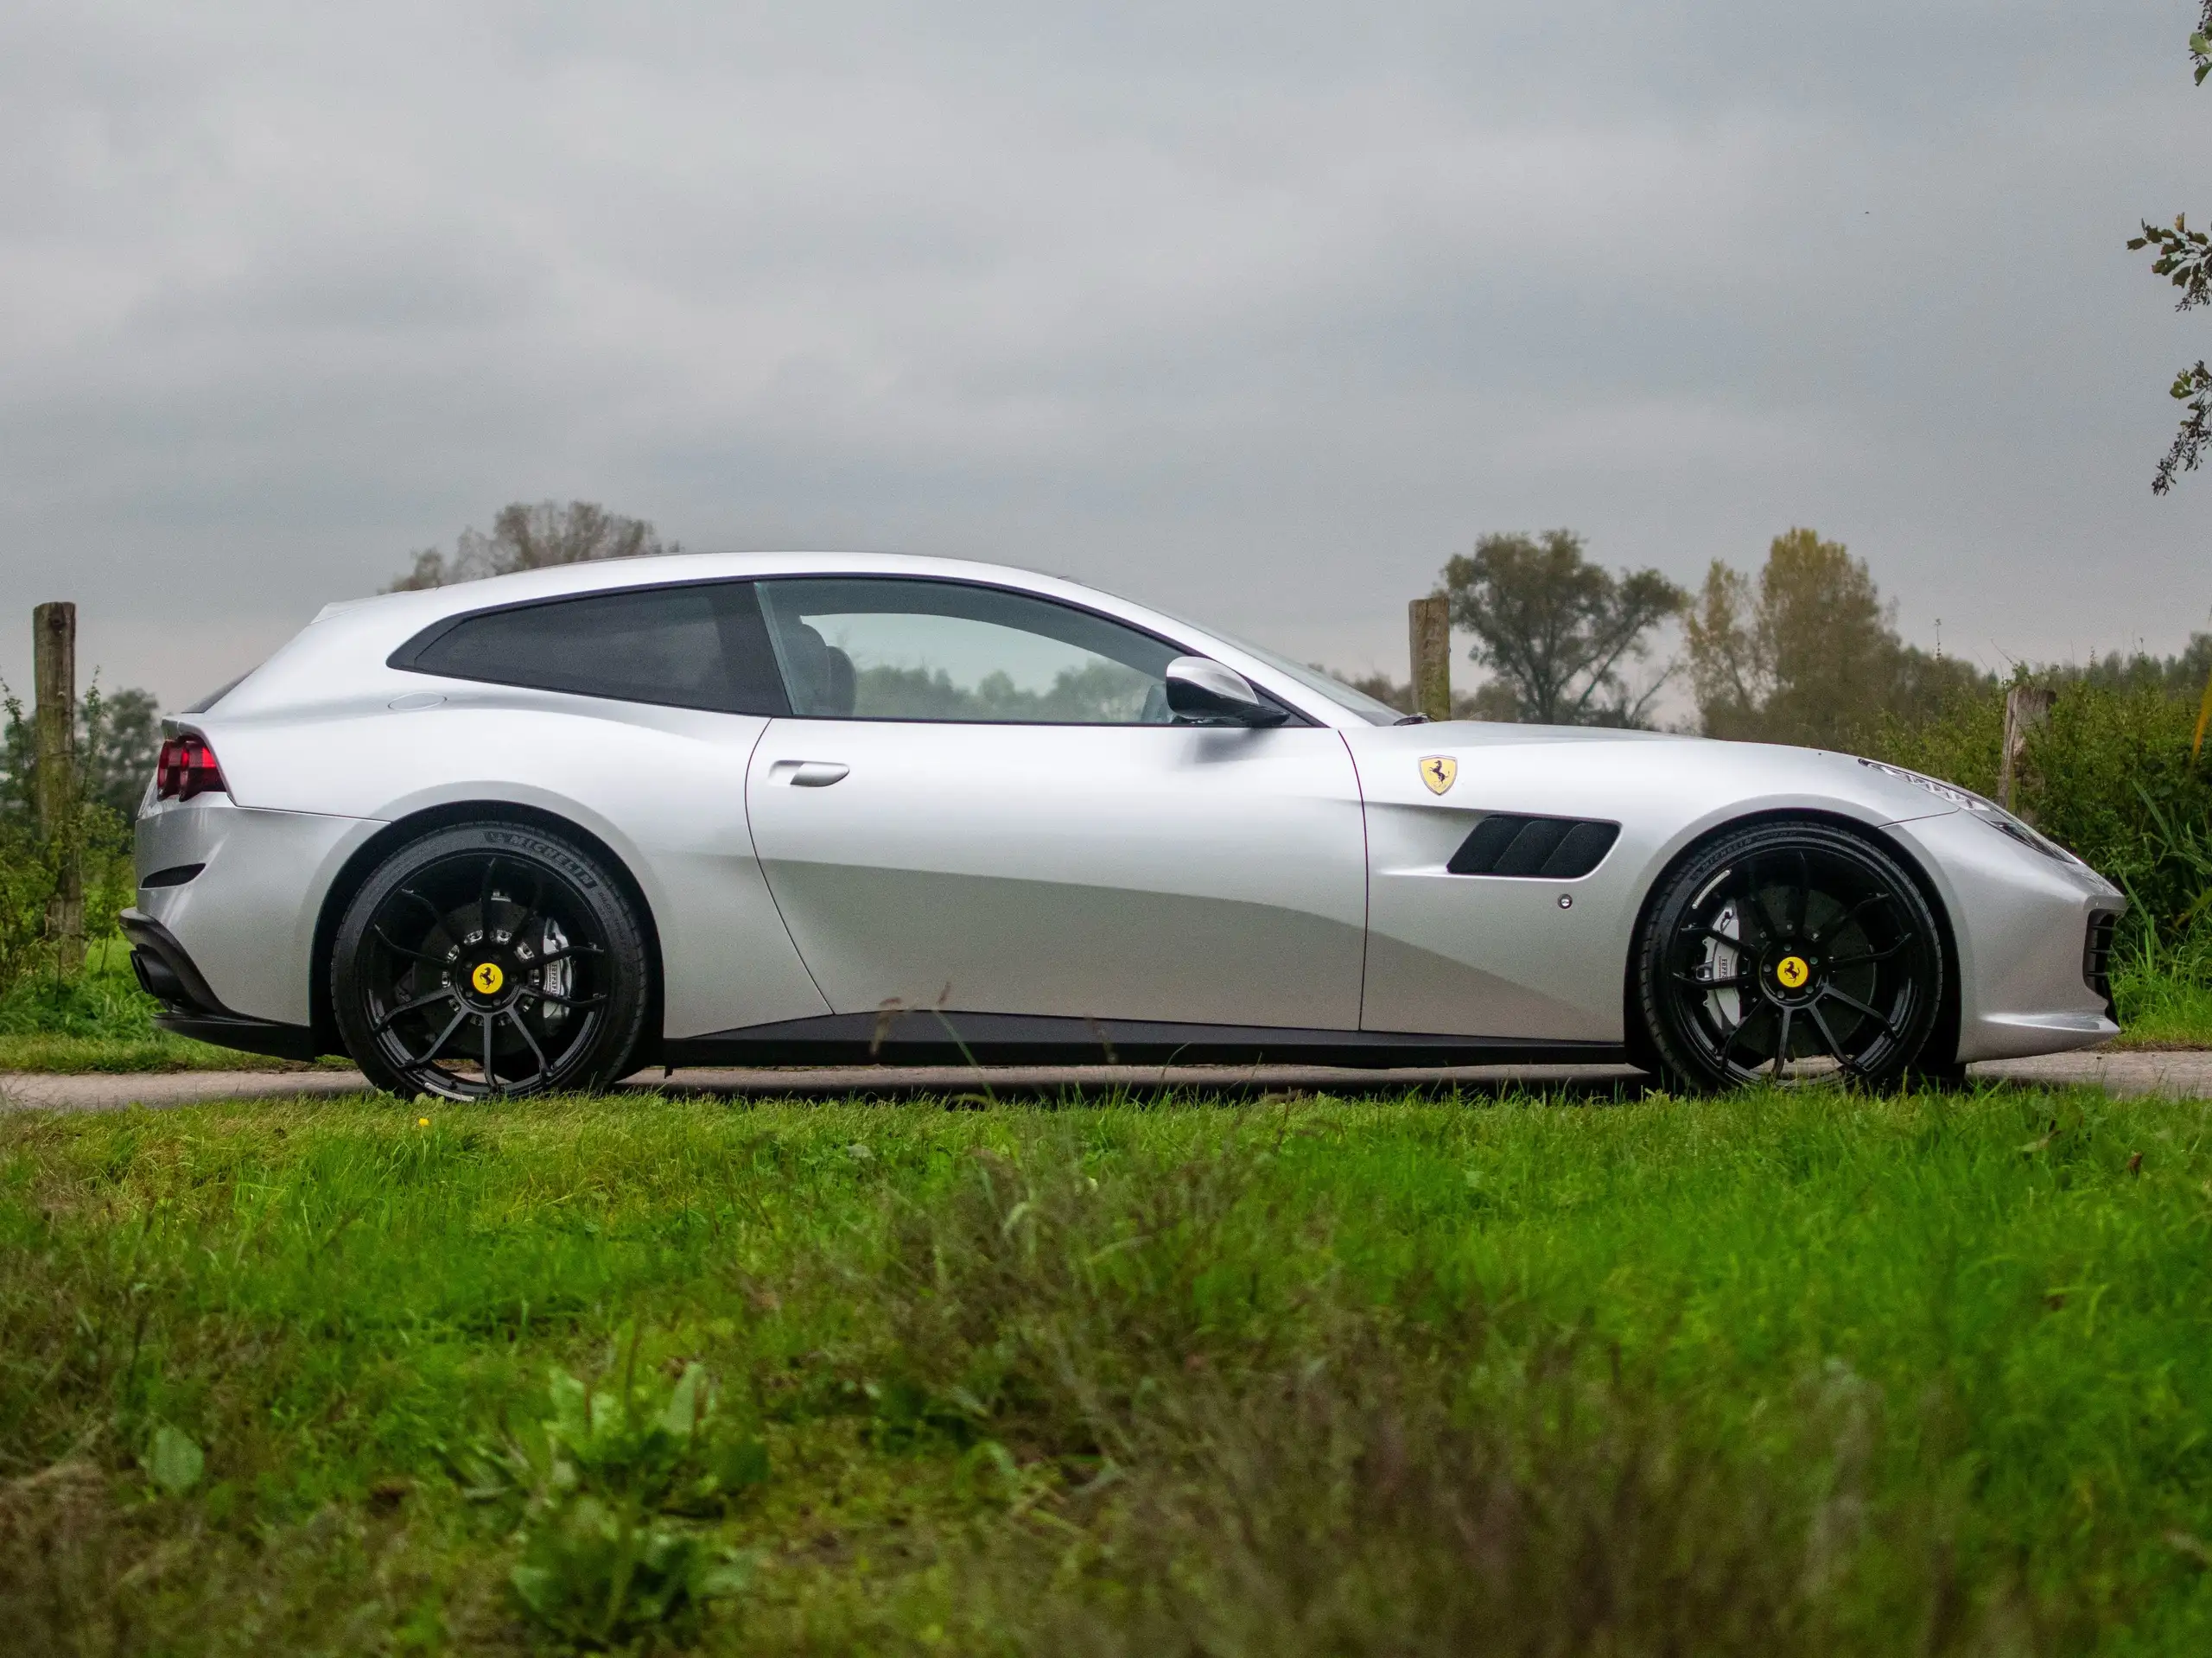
point(1808, 653)
point(2185, 258)
point(118, 738)
point(526, 537)
point(1557, 629)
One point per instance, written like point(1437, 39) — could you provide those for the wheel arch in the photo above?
point(373, 851)
point(1943, 1039)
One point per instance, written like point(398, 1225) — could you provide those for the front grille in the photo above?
point(2096, 958)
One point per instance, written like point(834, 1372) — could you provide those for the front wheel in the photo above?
point(1789, 953)
point(488, 958)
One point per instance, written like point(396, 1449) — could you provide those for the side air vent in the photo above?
point(1547, 849)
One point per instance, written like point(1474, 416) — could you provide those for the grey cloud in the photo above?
point(1257, 312)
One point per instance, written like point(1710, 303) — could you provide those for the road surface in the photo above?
point(2178, 1073)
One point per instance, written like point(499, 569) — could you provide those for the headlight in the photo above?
point(1987, 810)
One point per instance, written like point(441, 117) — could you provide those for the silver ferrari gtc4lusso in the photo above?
point(541, 831)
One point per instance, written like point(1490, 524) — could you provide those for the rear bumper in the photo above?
point(167, 972)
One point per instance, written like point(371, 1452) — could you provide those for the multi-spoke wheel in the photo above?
point(488, 958)
point(1789, 953)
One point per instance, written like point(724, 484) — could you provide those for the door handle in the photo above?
point(808, 774)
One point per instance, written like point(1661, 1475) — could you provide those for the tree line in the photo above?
point(1802, 649)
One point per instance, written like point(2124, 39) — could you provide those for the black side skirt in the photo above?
point(928, 1037)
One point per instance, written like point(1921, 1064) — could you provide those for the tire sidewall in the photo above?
point(523, 846)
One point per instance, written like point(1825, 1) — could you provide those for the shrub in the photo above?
point(97, 835)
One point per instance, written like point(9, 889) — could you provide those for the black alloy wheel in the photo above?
point(488, 959)
point(1788, 954)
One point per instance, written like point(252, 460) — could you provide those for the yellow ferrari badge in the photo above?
point(488, 978)
point(1439, 772)
point(1793, 972)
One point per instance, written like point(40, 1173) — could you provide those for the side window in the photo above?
point(883, 648)
point(701, 646)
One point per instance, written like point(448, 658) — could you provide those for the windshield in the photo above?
point(1321, 684)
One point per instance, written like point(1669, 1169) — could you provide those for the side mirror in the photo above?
point(1201, 691)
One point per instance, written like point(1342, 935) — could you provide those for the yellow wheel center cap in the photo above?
point(1792, 971)
point(488, 978)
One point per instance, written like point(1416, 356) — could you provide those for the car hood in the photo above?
point(1607, 771)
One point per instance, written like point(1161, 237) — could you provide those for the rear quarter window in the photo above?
point(697, 646)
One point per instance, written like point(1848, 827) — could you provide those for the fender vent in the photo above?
point(1548, 848)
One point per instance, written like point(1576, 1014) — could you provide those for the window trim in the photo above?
point(1298, 716)
point(407, 659)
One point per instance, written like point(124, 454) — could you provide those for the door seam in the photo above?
point(1366, 880)
point(745, 799)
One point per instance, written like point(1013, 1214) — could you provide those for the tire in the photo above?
point(489, 959)
point(1788, 954)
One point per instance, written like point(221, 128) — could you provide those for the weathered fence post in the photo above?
point(1428, 625)
point(54, 670)
point(2026, 707)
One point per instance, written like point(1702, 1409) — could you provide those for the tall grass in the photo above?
point(1764, 1373)
point(98, 1019)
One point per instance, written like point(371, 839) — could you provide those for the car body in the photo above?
point(1028, 886)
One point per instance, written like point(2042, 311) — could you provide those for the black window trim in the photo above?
point(406, 658)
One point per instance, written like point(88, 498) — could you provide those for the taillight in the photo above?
point(187, 768)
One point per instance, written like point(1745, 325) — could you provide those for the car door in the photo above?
point(981, 803)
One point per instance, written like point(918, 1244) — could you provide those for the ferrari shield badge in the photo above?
point(1439, 770)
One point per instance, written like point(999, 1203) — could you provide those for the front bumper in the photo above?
point(2030, 932)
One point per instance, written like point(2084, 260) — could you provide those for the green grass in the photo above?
point(100, 1020)
point(2164, 998)
point(1763, 1374)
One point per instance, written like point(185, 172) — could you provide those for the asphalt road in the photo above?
point(2181, 1074)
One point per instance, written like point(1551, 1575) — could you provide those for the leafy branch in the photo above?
point(2194, 387)
point(2185, 258)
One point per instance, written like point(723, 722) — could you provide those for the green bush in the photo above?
point(96, 835)
point(2111, 778)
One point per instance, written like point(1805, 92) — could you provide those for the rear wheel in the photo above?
point(487, 958)
point(1789, 953)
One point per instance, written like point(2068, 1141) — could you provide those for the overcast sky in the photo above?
point(1258, 312)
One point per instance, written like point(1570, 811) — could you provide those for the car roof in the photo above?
point(344, 649)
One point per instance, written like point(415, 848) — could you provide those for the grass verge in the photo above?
point(2165, 1002)
point(1761, 1374)
point(100, 1020)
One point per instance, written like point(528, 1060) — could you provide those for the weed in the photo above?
point(605, 1555)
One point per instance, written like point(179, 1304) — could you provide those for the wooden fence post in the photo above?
point(2027, 709)
point(1428, 627)
point(54, 670)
